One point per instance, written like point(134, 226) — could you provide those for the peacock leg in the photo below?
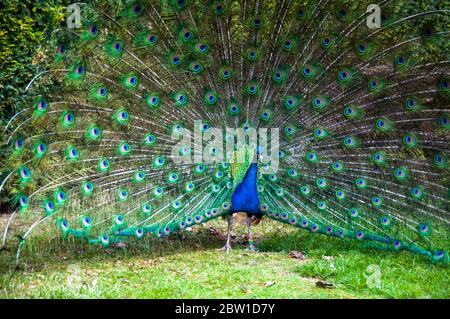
point(227, 246)
point(250, 243)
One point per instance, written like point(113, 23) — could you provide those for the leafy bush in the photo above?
point(24, 25)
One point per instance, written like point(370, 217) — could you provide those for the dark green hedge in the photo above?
point(24, 25)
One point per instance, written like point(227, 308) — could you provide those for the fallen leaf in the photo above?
point(120, 245)
point(296, 254)
point(324, 284)
point(246, 290)
point(217, 233)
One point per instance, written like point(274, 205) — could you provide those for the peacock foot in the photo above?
point(252, 247)
point(226, 248)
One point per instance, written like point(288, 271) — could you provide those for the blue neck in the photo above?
point(251, 175)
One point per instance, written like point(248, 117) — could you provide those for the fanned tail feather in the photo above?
point(363, 116)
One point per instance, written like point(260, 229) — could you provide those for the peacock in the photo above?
point(329, 116)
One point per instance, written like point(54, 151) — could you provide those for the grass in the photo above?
point(190, 266)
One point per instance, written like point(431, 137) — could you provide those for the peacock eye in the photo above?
point(87, 221)
point(23, 200)
point(94, 30)
point(137, 9)
point(196, 67)
point(19, 143)
point(65, 224)
point(101, 91)
point(79, 70)
point(42, 105)
point(49, 206)
point(41, 147)
point(61, 49)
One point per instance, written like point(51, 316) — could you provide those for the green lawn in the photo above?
point(190, 266)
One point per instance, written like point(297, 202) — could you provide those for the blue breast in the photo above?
point(245, 197)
